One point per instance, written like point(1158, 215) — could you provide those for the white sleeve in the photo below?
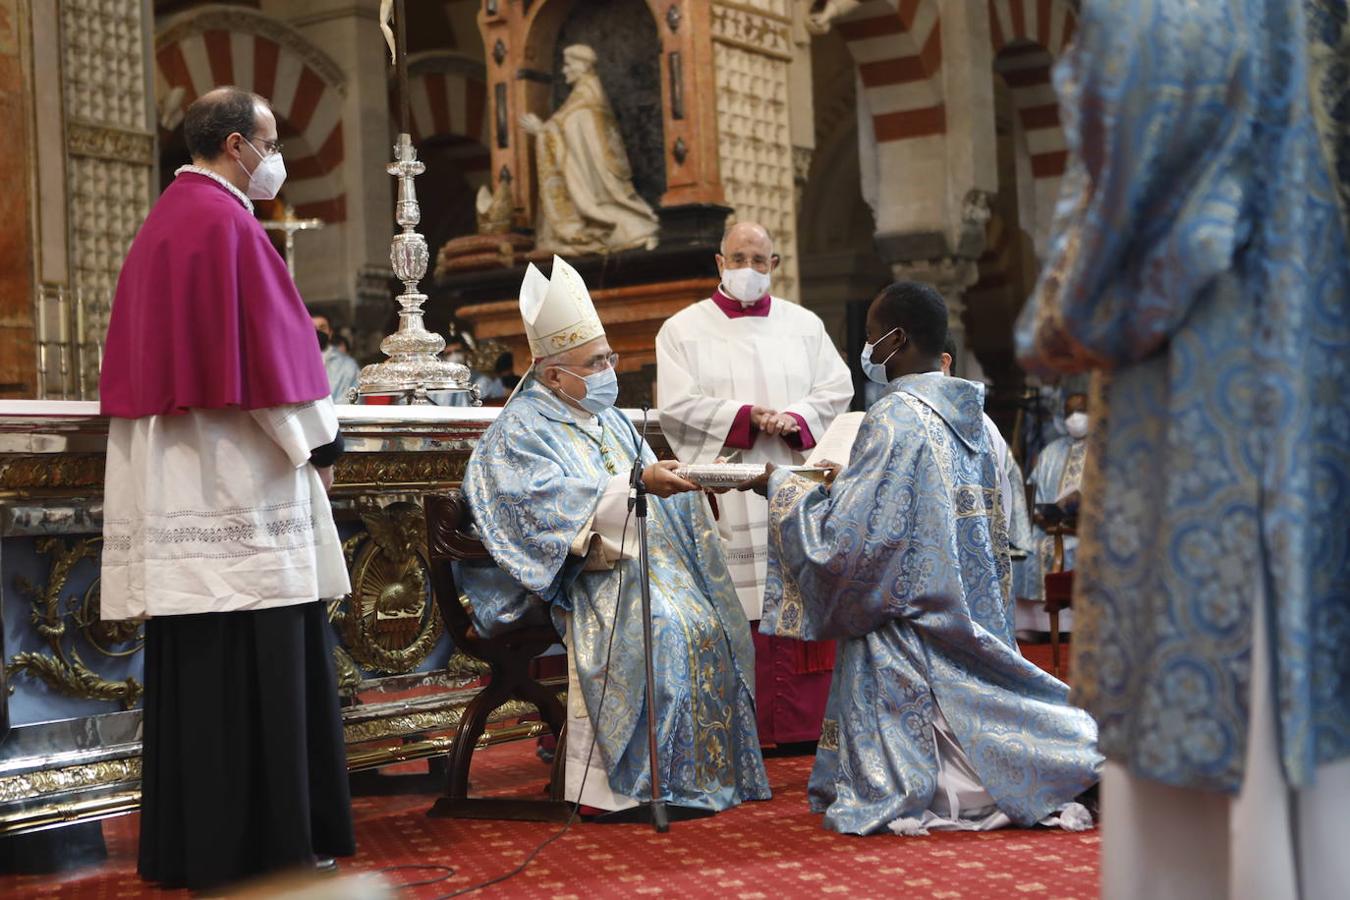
point(298, 428)
point(831, 387)
point(695, 424)
point(610, 535)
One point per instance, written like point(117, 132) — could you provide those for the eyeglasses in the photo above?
point(597, 363)
point(758, 261)
point(271, 146)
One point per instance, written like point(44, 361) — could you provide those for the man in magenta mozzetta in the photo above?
point(217, 527)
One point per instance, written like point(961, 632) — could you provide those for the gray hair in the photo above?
point(555, 359)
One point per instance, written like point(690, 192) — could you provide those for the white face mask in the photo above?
point(265, 181)
point(746, 285)
point(1077, 425)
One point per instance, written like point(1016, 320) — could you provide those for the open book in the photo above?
point(836, 445)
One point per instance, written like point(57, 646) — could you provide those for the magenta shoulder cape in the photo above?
point(206, 315)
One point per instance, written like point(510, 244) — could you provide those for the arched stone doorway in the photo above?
point(219, 45)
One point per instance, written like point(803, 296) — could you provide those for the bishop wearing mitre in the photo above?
point(548, 486)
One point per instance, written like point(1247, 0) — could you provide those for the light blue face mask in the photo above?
point(602, 390)
point(876, 371)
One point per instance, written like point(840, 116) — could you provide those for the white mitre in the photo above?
point(558, 311)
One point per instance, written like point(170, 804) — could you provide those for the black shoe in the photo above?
point(325, 865)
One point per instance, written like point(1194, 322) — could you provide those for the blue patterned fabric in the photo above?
point(533, 483)
point(904, 560)
point(1199, 263)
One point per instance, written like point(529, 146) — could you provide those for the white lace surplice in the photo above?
point(707, 367)
point(218, 511)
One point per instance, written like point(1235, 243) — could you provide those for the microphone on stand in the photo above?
point(635, 480)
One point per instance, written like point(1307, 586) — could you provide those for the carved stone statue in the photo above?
point(587, 202)
point(819, 20)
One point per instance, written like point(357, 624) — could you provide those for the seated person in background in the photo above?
point(343, 371)
point(1056, 477)
point(505, 370)
point(458, 345)
point(548, 486)
point(935, 720)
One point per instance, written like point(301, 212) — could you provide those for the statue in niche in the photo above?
point(824, 14)
point(587, 202)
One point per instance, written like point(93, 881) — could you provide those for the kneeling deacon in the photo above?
point(548, 486)
point(934, 719)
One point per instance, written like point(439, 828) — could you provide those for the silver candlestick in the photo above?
point(414, 371)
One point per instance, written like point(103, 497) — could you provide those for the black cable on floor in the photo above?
point(595, 735)
point(448, 870)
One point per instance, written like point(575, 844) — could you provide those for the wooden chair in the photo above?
point(508, 657)
point(1058, 585)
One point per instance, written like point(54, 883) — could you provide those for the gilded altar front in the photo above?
point(74, 682)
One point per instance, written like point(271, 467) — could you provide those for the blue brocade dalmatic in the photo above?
point(533, 483)
point(1200, 262)
point(904, 560)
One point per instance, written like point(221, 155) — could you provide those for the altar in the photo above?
point(71, 684)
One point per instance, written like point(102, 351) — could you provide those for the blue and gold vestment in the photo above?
point(1200, 262)
point(534, 482)
point(904, 560)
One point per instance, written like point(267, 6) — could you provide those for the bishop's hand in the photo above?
point(661, 480)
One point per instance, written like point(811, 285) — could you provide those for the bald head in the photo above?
point(743, 233)
point(747, 254)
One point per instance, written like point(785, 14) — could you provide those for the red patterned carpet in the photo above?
point(774, 849)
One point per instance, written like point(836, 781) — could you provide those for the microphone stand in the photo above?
point(653, 810)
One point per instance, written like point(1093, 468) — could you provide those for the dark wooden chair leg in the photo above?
point(471, 728)
point(1054, 641)
point(546, 699)
point(557, 786)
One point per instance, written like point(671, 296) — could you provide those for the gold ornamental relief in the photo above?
point(59, 619)
point(423, 468)
point(51, 781)
point(389, 622)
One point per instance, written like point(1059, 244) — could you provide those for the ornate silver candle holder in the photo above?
point(414, 373)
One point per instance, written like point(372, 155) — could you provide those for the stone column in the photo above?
point(951, 275)
point(17, 244)
point(348, 31)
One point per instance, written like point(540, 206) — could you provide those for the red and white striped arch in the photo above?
point(447, 96)
point(200, 51)
point(1027, 36)
point(897, 47)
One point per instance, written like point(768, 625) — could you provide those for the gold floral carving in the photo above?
point(443, 719)
point(104, 142)
point(48, 472)
point(86, 775)
point(389, 622)
point(348, 675)
point(63, 669)
point(401, 469)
